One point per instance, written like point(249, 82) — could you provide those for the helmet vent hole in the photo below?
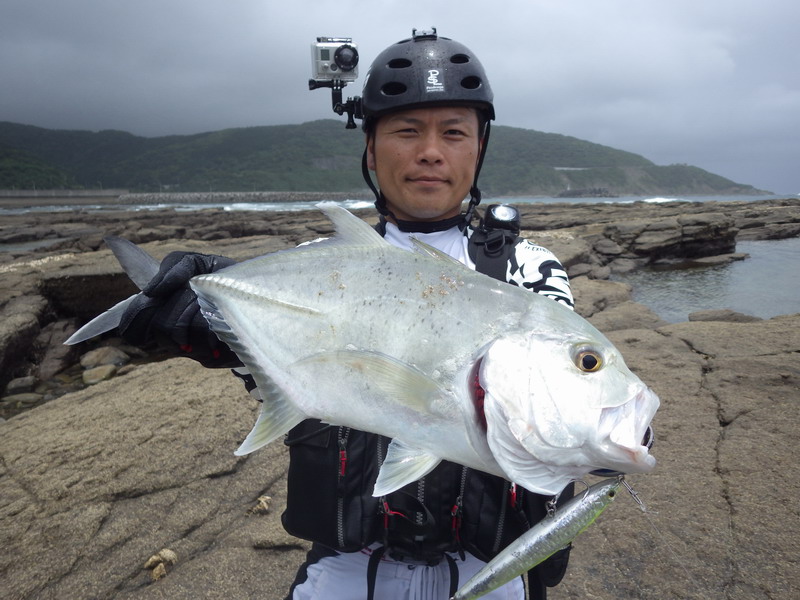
point(394, 88)
point(399, 63)
point(471, 83)
point(459, 59)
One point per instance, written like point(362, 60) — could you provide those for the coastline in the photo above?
point(98, 478)
point(127, 199)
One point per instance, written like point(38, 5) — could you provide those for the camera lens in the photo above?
point(346, 57)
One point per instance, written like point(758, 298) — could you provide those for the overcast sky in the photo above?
point(712, 83)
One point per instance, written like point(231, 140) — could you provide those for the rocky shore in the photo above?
point(109, 456)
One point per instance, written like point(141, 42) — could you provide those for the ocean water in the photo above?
point(349, 204)
point(764, 285)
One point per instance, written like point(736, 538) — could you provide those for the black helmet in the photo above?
point(425, 70)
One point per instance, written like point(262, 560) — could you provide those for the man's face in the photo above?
point(425, 160)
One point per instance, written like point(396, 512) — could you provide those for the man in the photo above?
point(426, 107)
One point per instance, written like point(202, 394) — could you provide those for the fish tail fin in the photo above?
point(137, 264)
point(140, 267)
point(106, 321)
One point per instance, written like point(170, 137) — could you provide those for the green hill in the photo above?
point(320, 156)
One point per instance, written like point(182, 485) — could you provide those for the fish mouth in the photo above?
point(626, 433)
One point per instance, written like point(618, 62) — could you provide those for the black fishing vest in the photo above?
point(333, 469)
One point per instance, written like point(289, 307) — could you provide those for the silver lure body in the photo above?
point(548, 536)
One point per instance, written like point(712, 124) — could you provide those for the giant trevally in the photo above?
point(449, 363)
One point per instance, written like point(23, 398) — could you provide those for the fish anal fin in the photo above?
point(276, 418)
point(403, 464)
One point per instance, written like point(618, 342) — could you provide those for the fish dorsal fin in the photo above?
point(402, 465)
point(428, 250)
point(350, 229)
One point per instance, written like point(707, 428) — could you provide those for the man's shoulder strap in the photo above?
point(490, 251)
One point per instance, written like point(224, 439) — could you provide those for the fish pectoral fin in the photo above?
point(404, 384)
point(402, 465)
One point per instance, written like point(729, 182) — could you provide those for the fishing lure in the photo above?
point(551, 534)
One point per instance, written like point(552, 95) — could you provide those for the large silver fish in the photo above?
point(541, 541)
point(448, 362)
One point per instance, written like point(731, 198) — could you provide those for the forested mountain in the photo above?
point(319, 156)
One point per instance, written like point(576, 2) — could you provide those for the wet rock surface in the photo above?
point(96, 478)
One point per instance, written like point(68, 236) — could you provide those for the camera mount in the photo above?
point(353, 105)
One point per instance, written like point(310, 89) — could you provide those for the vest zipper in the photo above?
point(502, 520)
point(421, 497)
point(341, 439)
point(456, 513)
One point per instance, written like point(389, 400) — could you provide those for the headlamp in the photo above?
point(502, 216)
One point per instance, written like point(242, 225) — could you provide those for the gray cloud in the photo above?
point(706, 83)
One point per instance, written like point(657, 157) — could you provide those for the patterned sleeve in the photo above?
point(249, 382)
point(537, 269)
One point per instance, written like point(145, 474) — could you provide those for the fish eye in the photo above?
point(588, 361)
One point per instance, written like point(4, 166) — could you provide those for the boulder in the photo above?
point(672, 238)
point(626, 315)
point(56, 356)
point(104, 355)
point(722, 314)
point(593, 296)
point(96, 482)
point(97, 374)
point(21, 385)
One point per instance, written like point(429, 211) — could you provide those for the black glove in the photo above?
point(167, 311)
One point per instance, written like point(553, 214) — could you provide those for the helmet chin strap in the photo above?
point(462, 220)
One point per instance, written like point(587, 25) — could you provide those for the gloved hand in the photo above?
point(167, 311)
